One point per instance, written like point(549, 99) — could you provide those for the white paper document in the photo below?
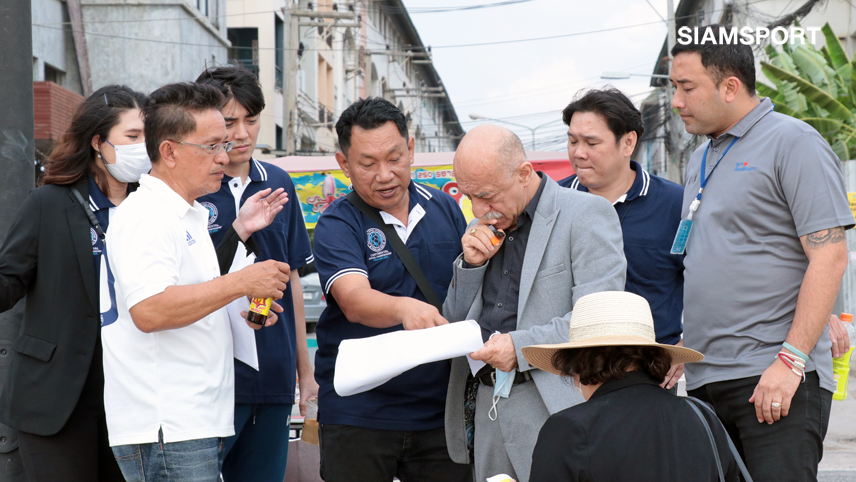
point(243, 337)
point(366, 363)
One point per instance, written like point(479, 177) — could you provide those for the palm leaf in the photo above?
point(765, 90)
point(828, 126)
point(783, 108)
point(852, 89)
point(814, 65)
point(840, 150)
point(826, 56)
point(812, 92)
point(836, 50)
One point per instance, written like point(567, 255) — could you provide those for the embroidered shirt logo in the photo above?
point(96, 250)
point(212, 217)
point(376, 240)
point(190, 240)
point(744, 167)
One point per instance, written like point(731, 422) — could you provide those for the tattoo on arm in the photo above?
point(825, 237)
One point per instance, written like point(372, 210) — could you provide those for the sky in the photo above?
point(530, 82)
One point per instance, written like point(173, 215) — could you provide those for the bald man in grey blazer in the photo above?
point(535, 249)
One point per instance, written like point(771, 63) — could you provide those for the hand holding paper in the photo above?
point(366, 363)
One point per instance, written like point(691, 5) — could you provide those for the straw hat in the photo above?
point(608, 318)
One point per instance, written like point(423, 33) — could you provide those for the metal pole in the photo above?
point(289, 111)
point(17, 156)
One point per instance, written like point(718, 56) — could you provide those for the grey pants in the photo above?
point(505, 445)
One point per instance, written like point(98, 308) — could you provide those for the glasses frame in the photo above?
point(212, 149)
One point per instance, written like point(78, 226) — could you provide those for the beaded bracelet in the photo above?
point(795, 351)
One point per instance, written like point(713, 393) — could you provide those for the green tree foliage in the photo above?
point(817, 87)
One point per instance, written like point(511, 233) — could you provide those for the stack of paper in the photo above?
point(366, 363)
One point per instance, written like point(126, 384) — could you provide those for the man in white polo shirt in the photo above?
point(169, 388)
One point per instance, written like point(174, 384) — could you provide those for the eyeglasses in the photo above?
point(213, 149)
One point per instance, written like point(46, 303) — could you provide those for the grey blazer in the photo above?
point(575, 248)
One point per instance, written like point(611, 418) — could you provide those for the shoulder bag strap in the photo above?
point(89, 214)
point(712, 440)
point(695, 403)
point(401, 250)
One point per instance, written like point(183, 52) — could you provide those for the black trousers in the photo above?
point(787, 450)
point(79, 452)
point(355, 454)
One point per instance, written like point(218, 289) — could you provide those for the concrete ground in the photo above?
point(839, 447)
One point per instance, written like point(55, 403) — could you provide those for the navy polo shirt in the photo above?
point(285, 240)
point(346, 242)
point(650, 213)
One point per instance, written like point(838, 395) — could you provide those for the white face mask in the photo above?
point(132, 161)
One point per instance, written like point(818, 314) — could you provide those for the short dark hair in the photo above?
point(601, 364)
point(369, 113)
point(169, 112)
point(236, 82)
point(74, 156)
point(617, 110)
point(723, 57)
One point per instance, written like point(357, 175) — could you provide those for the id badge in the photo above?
point(682, 236)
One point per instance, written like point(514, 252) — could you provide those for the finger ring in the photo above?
point(473, 232)
point(776, 404)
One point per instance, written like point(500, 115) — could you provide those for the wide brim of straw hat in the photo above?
point(541, 356)
point(608, 318)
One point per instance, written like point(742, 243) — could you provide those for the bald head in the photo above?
point(484, 155)
point(490, 148)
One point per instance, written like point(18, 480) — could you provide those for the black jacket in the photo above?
point(47, 257)
point(630, 429)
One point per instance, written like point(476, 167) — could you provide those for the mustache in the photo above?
point(492, 215)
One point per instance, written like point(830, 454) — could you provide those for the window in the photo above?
point(245, 48)
point(202, 6)
point(54, 75)
point(279, 138)
point(279, 33)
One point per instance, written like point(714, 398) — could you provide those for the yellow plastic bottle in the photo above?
point(841, 365)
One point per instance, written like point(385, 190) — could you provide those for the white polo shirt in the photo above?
point(181, 380)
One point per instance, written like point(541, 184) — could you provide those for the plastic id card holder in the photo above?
point(682, 236)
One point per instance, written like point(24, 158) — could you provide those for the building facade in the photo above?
point(373, 50)
point(83, 45)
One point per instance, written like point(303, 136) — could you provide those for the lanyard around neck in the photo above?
point(704, 178)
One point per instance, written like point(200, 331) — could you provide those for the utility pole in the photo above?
point(293, 13)
point(674, 125)
point(17, 160)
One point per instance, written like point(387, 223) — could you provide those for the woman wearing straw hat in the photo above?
point(629, 427)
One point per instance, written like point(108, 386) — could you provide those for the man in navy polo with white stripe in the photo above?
point(396, 429)
point(603, 129)
point(263, 398)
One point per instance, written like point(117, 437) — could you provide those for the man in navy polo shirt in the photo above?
point(263, 399)
point(603, 129)
point(396, 429)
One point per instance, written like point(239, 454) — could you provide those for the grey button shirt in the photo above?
point(502, 276)
point(745, 263)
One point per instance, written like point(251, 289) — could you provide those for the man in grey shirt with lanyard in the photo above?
point(766, 202)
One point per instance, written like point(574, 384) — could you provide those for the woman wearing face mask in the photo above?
point(53, 394)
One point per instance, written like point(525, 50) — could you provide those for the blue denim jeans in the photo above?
point(188, 461)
